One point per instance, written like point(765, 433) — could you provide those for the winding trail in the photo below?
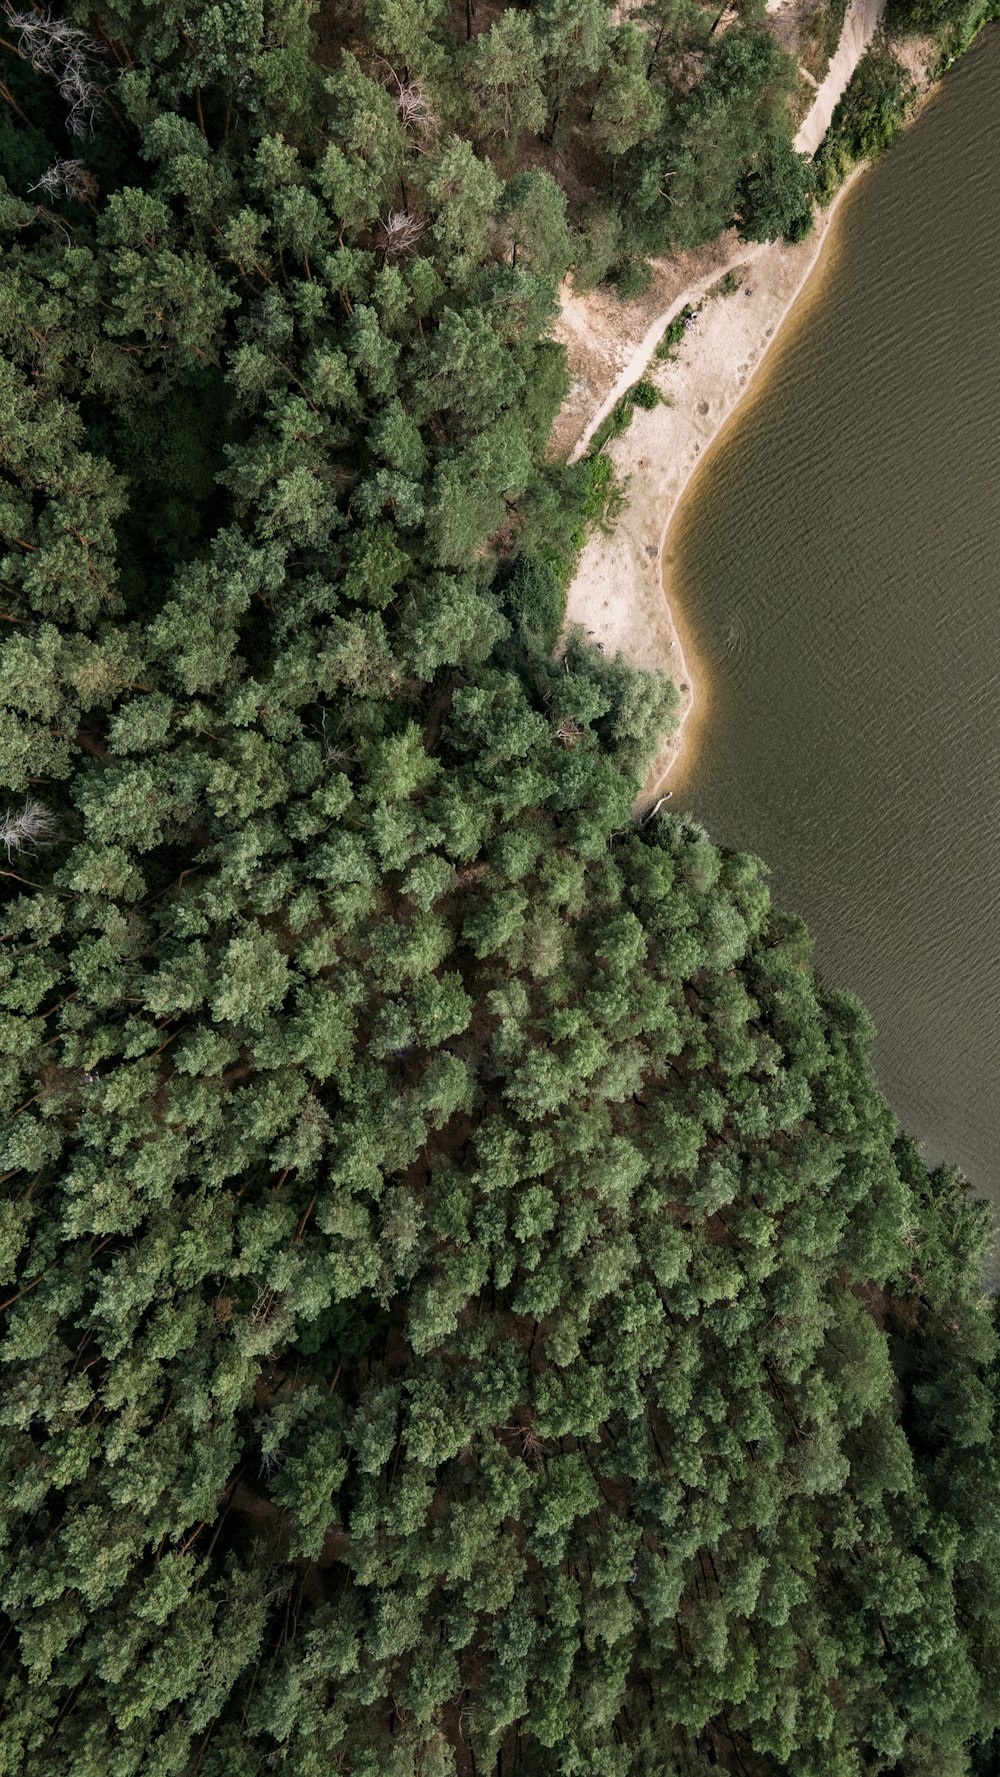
point(618, 593)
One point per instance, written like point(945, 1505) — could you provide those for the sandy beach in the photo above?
point(620, 592)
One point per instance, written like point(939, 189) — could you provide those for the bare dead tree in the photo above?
point(264, 1305)
point(27, 828)
point(70, 177)
point(400, 233)
point(55, 47)
point(568, 732)
point(416, 113)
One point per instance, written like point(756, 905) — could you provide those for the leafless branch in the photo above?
point(568, 732)
point(55, 47)
point(27, 828)
point(400, 233)
point(69, 176)
point(416, 113)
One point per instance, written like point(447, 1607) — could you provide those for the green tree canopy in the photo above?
point(465, 1299)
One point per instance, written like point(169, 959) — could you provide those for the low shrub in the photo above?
point(645, 395)
point(674, 333)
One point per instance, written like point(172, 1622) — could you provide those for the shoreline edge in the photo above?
point(702, 386)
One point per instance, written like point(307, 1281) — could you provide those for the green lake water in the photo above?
point(837, 564)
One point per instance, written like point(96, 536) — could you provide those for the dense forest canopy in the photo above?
point(466, 1307)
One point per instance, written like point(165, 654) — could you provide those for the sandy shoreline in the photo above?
point(619, 592)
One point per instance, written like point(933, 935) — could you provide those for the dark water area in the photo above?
point(838, 565)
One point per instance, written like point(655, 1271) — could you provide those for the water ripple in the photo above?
point(840, 560)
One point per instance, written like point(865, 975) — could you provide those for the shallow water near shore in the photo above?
point(837, 561)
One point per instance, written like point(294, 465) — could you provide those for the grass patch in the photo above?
point(605, 495)
point(642, 394)
point(613, 425)
point(674, 334)
point(728, 284)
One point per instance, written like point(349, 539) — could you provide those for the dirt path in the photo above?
point(618, 592)
point(860, 22)
point(742, 253)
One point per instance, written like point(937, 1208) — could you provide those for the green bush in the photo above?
point(952, 23)
point(641, 394)
point(645, 394)
point(596, 246)
point(872, 109)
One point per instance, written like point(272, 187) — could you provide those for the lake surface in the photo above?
point(837, 563)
